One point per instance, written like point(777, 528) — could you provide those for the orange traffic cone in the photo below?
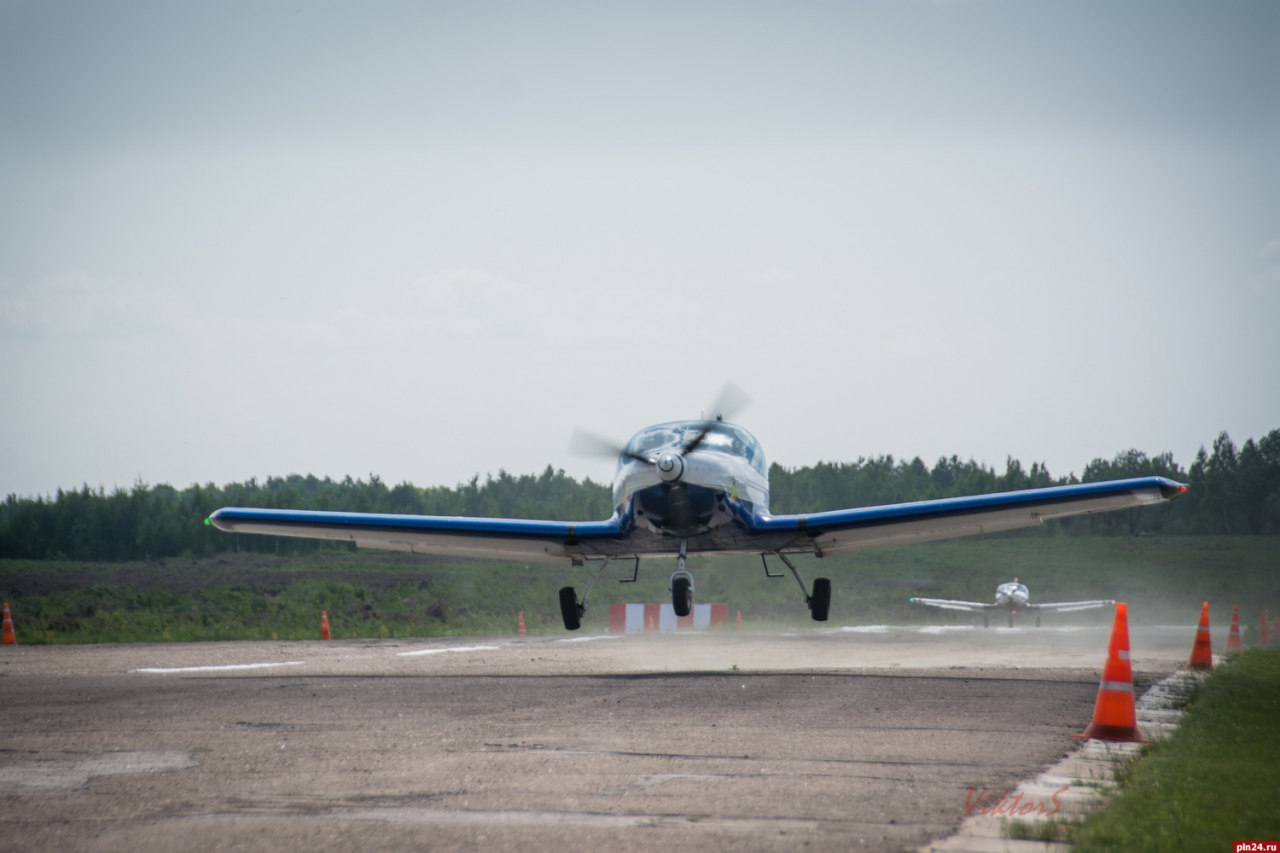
point(520, 624)
point(324, 624)
point(10, 639)
point(1233, 637)
point(739, 618)
point(1114, 714)
point(1202, 651)
point(1263, 639)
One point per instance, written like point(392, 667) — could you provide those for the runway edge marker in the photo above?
point(324, 624)
point(1202, 649)
point(10, 638)
point(1114, 714)
point(1233, 636)
point(520, 630)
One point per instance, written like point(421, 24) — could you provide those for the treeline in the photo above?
point(146, 522)
point(1233, 490)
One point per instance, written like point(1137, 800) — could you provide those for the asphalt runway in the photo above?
point(864, 737)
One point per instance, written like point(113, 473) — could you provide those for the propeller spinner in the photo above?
point(670, 463)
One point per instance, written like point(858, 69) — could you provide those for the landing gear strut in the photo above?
point(571, 610)
point(819, 603)
point(682, 585)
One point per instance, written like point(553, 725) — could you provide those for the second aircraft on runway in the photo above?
point(1012, 596)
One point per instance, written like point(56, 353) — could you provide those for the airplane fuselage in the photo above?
point(1012, 596)
point(720, 484)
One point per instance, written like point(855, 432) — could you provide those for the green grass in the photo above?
point(260, 596)
point(1217, 779)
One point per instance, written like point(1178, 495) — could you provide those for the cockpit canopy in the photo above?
point(723, 438)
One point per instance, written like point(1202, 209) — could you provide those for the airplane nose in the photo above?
point(670, 467)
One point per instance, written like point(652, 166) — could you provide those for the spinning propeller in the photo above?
point(669, 460)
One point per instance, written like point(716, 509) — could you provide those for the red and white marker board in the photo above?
point(649, 618)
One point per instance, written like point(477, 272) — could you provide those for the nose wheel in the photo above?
point(682, 586)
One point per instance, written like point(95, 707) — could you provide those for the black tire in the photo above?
point(569, 609)
point(820, 601)
point(681, 596)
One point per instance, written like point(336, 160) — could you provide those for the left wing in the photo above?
point(948, 604)
point(1068, 606)
point(491, 538)
point(846, 530)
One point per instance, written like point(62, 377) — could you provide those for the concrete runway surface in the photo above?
point(862, 737)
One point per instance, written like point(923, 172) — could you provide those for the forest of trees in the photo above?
point(1233, 490)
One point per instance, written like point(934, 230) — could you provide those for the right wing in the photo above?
point(1068, 606)
point(844, 530)
point(947, 604)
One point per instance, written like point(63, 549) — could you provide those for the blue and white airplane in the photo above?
point(702, 488)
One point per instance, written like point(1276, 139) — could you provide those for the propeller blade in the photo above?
point(732, 400)
point(583, 443)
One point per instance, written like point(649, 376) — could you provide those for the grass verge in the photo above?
point(1216, 780)
point(387, 594)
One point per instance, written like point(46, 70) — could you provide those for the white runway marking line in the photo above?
point(589, 639)
point(224, 668)
point(938, 629)
point(451, 649)
point(866, 629)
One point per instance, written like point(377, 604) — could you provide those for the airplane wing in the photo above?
point(845, 530)
point(1068, 606)
point(947, 604)
point(491, 538)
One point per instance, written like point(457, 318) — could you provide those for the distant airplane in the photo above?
point(1012, 597)
point(696, 487)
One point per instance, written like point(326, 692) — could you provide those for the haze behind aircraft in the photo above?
point(1012, 596)
point(696, 487)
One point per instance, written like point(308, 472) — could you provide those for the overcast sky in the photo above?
point(428, 240)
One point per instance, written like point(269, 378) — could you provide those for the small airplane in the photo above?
point(1012, 597)
point(698, 487)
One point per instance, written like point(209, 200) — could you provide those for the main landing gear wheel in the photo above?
point(682, 596)
point(820, 601)
point(570, 610)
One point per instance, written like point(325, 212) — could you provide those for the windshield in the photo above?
point(724, 438)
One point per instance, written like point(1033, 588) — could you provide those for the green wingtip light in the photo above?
point(208, 521)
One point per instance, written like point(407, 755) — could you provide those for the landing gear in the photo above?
point(682, 595)
point(1010, 620)
point(819, 603)
point(570, 610)
point(682, 586)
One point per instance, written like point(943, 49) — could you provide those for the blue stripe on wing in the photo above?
point(870, 516)
point(519, 527)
